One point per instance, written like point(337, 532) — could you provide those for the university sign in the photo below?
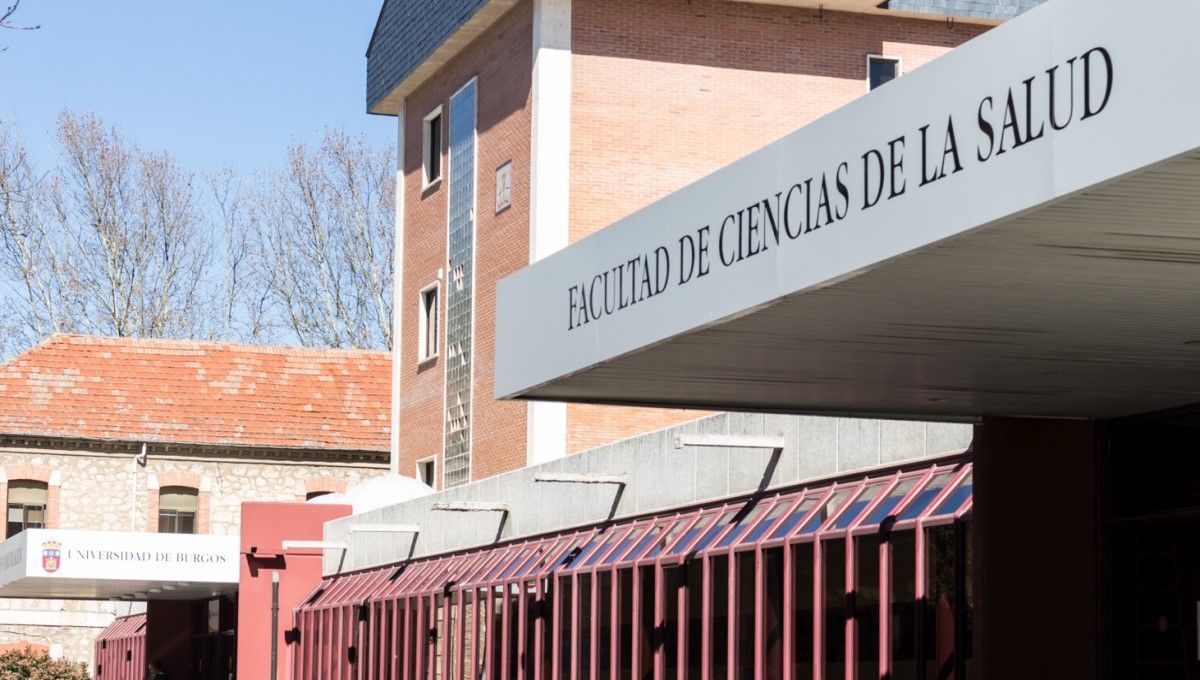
point(51, 556)
point(1043, 104)
point(1068, 96)
point(66, 555)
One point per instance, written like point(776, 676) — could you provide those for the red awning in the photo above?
point(880, 501)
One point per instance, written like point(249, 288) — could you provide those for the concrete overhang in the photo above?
point(110, 565)
point(1057, 273)
point(878, 7)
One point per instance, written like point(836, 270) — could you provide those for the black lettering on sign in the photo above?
point(1024, 112)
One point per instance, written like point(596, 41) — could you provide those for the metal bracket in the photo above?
point(313, 545)
point(385, 529)
point(470, 506)
point(732, 441)
point(576, 478)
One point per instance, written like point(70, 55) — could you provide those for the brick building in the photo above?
point(604, 538)
point(121, 435)
point(526, 125)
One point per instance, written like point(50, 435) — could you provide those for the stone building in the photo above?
point(123, 435)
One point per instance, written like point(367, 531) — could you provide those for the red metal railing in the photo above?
point(855, 578)
point(120, 649)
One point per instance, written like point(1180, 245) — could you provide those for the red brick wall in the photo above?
point(665, 93)
point(502, 61)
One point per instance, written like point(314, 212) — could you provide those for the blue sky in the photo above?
point(214, 81)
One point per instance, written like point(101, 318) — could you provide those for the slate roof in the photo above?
point(199, 393)
point(406, 33)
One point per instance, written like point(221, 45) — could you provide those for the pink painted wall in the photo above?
point(264, 528)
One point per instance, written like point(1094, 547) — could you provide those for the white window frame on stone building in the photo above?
point(872, 58)
point(427, 322)
point(431, 149)
point(27, 505)
point(175, 513)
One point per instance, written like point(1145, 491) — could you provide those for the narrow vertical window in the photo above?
point(866, 603)
point(431, 147)
point(460, 286)
point(773, 614)
point(719, 623)
point(802, 611)
point(427, 342)
point(904, 612)
point(626, 629)
point(835, 608)
point(427, 472)
point(881, 70)
point(566, 615)
point(584, 627)
point(744, 578)
point(942, 623)
point(604, 624)
point(504, 178)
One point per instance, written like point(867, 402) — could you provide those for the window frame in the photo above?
point(173, 516)
point(425, 353)
point(504, 186)
point(882, 57)
point(428, 179)
point(25, 508)
point(431, 460)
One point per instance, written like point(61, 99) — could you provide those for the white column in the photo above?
point(550, 185)
point(398, 291)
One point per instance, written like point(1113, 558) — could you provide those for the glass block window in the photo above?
point(461, 287)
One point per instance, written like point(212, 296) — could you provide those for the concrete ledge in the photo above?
point(657, 477)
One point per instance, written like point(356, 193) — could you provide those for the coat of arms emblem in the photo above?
point(51, 556)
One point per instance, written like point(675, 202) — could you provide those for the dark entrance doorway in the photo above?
point(1155, 549)
point(214, 639)
point(1157, 604)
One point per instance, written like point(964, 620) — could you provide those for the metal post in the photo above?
point(274, 625)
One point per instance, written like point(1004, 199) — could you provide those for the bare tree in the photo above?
point(244, 302)
point(41, 294)
point(131, 218)
point(111, 241)
point(6, 20)
point(326, 231)
point(120, 241)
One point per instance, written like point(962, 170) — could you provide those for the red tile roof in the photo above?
point(205, 393)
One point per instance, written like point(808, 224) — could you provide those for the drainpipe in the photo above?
point(398, 300)
point(274, 624)
point(139, 459)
